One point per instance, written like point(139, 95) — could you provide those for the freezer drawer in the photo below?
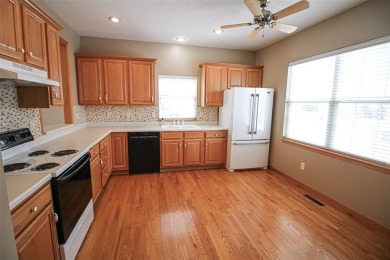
point(247, 155)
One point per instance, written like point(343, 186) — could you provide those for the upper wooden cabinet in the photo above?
point(11, 35)
point(245, 76)
point(216, 77)
point(54, 64)
point(141, 74)
point(213, 83)
point(115, 80)
point(90, 81)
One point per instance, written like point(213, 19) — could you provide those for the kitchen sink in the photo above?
point(182, 127)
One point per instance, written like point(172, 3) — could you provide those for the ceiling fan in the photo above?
point(265, 18)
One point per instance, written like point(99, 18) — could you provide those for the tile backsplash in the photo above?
point(13, 117)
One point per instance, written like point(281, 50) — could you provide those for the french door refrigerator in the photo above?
point(247, 113)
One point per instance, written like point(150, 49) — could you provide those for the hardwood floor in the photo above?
point(213, 214)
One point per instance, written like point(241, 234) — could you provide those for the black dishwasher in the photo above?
point(144, 152)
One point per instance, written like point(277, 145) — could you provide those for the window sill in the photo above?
point(354, 160)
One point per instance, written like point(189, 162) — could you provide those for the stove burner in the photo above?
point(64, 153)
point(44, 166)
point(15, 166)
point(38, 153)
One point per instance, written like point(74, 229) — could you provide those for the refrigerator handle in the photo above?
point(251, 114)
point(257, 111)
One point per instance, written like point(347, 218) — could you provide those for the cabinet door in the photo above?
point(141, 75)
point(120, 160)
point(115, 82)
point(89, 81)
point(236, 77)
point(171, 153)
point(215, 84)
point(215, 151)
point(254, 77)
point(34, 38)
point(11, 41)
point(54, 63)
point(96, 178)
point(39, 239)
point(193, 152)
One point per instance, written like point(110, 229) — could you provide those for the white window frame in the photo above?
point(168, 118)
point(369, 162)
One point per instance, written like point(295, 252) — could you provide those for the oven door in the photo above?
point(72, 191)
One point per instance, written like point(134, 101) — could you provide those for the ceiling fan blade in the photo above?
point(253, 7)
point(284, 27)
point(253, 34)
point(235, 25)
point(292, 9)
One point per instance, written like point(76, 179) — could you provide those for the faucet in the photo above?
point(178, 118)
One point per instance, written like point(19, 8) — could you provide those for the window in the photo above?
point(177, 96)
point(340, 101)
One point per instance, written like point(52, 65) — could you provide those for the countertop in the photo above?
point(20, 187)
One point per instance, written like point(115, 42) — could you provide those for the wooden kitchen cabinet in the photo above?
point(245, 76)
point(115, 82)
point(142, 78)
point(213, 83)
point(96, 176)
point(106, 159)
point(120, 160)
point(90, 81)
point(215, 147)
point(11, 32)
point(192, 149)
point(34, 226)
point(34, 38)
point(109, 80)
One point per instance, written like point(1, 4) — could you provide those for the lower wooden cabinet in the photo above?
point(101, 166)
point(120, 160)
point(35, 228)
point(192, 149)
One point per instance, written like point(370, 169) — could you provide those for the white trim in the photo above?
point(342, 50)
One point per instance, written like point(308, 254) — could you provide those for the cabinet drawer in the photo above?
point(193, 135)
point(94, 152)
point(103, 143)
point(30, 209)
point(171, 135)
point(216, 134)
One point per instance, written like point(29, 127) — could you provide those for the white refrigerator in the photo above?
point(247, 113)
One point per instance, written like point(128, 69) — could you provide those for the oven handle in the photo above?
point(71, 171)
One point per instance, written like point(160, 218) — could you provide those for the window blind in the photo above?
point(177, 95)
point(341, 102)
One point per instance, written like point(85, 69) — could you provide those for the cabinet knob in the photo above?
point(22, 50)
point(106, 97)
point(30, 53)
point(100, 98)
point(34, 209)
point(206, 143)
point(55, 216)
point(216, 134)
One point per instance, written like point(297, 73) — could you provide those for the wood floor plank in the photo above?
point(213, 214)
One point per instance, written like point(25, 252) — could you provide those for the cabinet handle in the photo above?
point(216, 134)
point(22, 50)
point(106, 97)
point(54, 94)
point(206, 143)
point(34, 209)
point(30, 53)
point(55, 216)
point(180, 145)
point(152, 98)
point(101, 162)
point(207, 99)
point(100, 98)
point(185, 144)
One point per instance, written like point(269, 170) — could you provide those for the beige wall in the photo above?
point(364, 190)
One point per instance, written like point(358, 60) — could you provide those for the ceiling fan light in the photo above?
point(218, 31)
point(114, 19)
point(180, 39)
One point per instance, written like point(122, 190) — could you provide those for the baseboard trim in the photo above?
point(333, 203)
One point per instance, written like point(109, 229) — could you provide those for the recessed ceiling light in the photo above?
point(218, 31)
point(180, 39)
point(114, 19)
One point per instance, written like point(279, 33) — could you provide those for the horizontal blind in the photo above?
point(342, 103)
point(177, 95)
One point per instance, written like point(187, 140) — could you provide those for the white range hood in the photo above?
point(24, 75)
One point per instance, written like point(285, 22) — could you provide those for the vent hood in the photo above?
point(24, 75)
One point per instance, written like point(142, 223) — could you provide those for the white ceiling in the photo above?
point(164, 20)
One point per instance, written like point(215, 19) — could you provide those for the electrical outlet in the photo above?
point(302, 166)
